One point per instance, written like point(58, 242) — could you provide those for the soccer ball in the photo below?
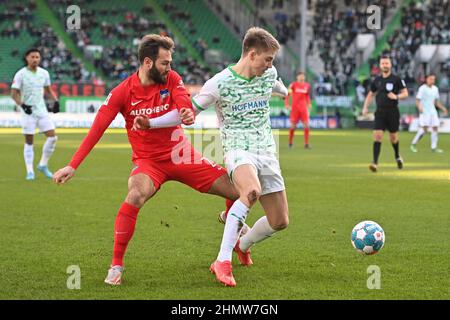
point(368, 237)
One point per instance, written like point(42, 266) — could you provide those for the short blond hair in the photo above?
point(259, 39)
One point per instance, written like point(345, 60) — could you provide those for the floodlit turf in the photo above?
point(46, 228)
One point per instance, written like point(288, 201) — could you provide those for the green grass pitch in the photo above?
point(46, 228)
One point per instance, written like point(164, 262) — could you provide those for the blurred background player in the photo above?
point(28, 88)
point(300, 91)
point(153, 90)
point(427, 99)
point(389, 89)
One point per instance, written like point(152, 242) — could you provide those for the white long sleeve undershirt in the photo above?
point(170, 119)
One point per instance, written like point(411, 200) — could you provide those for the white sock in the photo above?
point(418, 136)
point(28, 155)
point(260, 231)
point(434, 139)
point(47, 150)
point(235, 220)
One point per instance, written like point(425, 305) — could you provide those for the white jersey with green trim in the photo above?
point(31, 85)
point(242, 107)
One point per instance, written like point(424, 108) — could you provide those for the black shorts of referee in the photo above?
point(387, 119)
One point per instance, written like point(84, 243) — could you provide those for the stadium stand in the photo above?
point(421, 23)
point(22, 28)
point(111, 31)
point(282, 16)
point(336, 24)
point(203, 28)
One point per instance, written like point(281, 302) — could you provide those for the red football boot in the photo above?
point(223, 272)
point(244, 257)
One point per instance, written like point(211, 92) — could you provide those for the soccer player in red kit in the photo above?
point(160, 154)
point(300, 91)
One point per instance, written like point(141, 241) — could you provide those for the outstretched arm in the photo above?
point(103, 119)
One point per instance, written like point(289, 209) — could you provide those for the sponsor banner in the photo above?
point(65, 89)
point(81, 104)
point(444, 125)
point(206, 120)
point(67, 104)
point(61, 120)
point(7, 104)
point(91, 104)
point(334, 101)
point(317, 122)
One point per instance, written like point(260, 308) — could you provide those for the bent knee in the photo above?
point(137, 197)
point(252, 195)
point(280, 224)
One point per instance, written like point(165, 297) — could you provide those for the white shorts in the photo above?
point(30, 122)
point(428, 120)
point(266, 165)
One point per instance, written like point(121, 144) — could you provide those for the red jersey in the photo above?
point(300, 95)
point(131, 99)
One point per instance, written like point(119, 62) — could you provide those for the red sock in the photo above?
point(228, 204)
point(291, 135)
point(306, 130)
point(123, 231)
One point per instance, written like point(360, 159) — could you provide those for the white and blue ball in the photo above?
point(368, 237)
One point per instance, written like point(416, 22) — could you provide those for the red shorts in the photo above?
point(193, 170)
point(299, 115)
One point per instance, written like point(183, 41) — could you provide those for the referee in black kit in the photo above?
point(388, 89)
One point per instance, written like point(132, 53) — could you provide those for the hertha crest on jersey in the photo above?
point(164, 93)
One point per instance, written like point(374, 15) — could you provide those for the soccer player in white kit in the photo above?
point(28, 88)
point(241, 95)
point(427, 99)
